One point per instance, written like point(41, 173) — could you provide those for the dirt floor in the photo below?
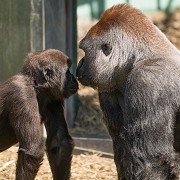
point(84, 167)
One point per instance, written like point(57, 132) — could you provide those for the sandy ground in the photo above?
point(84, 167)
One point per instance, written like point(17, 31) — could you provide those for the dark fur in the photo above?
point(32, 97)
point(137, 73)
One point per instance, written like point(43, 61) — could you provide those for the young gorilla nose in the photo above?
point(74, 87)
point(71, 84)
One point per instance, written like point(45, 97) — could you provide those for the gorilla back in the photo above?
point(136, 70)
point(32, 97)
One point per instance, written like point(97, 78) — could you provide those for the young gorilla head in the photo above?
point(50, 73)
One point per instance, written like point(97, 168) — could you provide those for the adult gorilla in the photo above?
point(137, 73)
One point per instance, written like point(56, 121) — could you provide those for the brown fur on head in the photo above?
point(49, 71)
point(118, 16)
point(129, 20)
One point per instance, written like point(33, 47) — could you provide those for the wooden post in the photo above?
point(55, 24)
point(60, 33)
point(71, 50)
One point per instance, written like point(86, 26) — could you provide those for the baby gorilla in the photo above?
point(136, 70)
point(32, 97)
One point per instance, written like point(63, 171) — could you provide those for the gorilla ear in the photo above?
point(48, 73)
point(42, 77)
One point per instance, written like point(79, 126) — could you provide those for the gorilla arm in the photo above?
point(25, 120)
point(59, 143)
point(113, 118)
point(151, 101)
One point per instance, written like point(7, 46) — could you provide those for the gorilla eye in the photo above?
point(106, 48)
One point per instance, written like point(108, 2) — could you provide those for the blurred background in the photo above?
point(32, 25)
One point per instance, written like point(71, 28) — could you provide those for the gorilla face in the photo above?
point(97, 68)
point(106, 61)
point(50, 72)
point(113, 45)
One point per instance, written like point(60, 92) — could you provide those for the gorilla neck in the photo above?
point(44, 99)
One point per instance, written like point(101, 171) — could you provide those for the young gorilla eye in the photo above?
point(106, 48)
point(49, 72)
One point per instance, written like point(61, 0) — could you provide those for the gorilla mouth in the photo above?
point(87, 82)
point(83, 81)
point(74, 89)
point(80, 79)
